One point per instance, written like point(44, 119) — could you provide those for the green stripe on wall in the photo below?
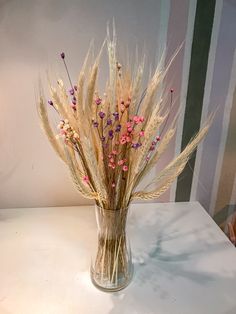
point(197, 76)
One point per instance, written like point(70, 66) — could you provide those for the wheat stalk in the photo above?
point(110, 140)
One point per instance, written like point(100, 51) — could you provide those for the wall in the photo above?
point(203, 77)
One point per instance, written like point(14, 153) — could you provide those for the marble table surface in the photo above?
point(184, 264)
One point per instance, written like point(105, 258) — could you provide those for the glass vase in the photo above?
point(112, 268)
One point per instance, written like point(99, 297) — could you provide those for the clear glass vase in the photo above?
point(112, 268)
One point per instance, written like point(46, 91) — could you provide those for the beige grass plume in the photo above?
point(110, 141)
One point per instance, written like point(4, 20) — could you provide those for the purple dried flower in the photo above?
point(50, 102)
point(134, 145)
point(116, 115)
point(109, 121)
point(118, 128)
point(71, 91)
point(101, 114)
point(75, 88)
point(95, 124)
point(74, 101)
point(63, 55)
point(110, 133)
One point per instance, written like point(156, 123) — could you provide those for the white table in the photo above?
point(184, 264)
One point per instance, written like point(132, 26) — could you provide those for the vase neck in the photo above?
point(111, 222)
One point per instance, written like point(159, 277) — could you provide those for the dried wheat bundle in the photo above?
point(111, 142)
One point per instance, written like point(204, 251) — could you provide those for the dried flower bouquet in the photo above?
point(110, 142)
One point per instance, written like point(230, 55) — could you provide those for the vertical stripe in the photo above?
point(184, 85)
point(175, 37)
point(223, 139)
point(232, 208)
point(228, 167)
point(207, 93)
point(197, 76)
point(209, 173)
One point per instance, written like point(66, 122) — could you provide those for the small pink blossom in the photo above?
point(114, 152)
point(129, 124)
point(128, 139)
point(121, 162)
point(125, 168)
point(130, 129)
point(158, 138)
point(141, 133)
point(98, 101)
point(136, 119)
point(147, 158)
point(141, 119)
point(111, 165)
point(86, 179)
point(113, 185)
point(112, 160)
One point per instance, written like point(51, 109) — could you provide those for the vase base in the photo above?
point(109, 287)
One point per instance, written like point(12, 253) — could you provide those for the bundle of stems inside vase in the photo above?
point(112, 264)
point(110, 141)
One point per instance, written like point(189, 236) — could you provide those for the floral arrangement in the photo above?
point(110, 142)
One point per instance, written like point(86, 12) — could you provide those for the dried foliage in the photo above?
point(111, 142)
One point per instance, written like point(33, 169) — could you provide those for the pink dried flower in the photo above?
point(113, 185)
point(123, 140)
point(158, 138)
point(141, 119)
point(141, 133)
point(98, 101)
point(136, 119)
point(128, 139)
point(129, 124)
point(125, 168)
point(121, 162)
point(114, 152)
point(129, 129)
point(86, 179)
point(111, 165)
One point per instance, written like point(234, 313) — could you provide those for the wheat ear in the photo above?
point(48, 130)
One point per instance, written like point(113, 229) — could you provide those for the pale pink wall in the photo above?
point(32, 34)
